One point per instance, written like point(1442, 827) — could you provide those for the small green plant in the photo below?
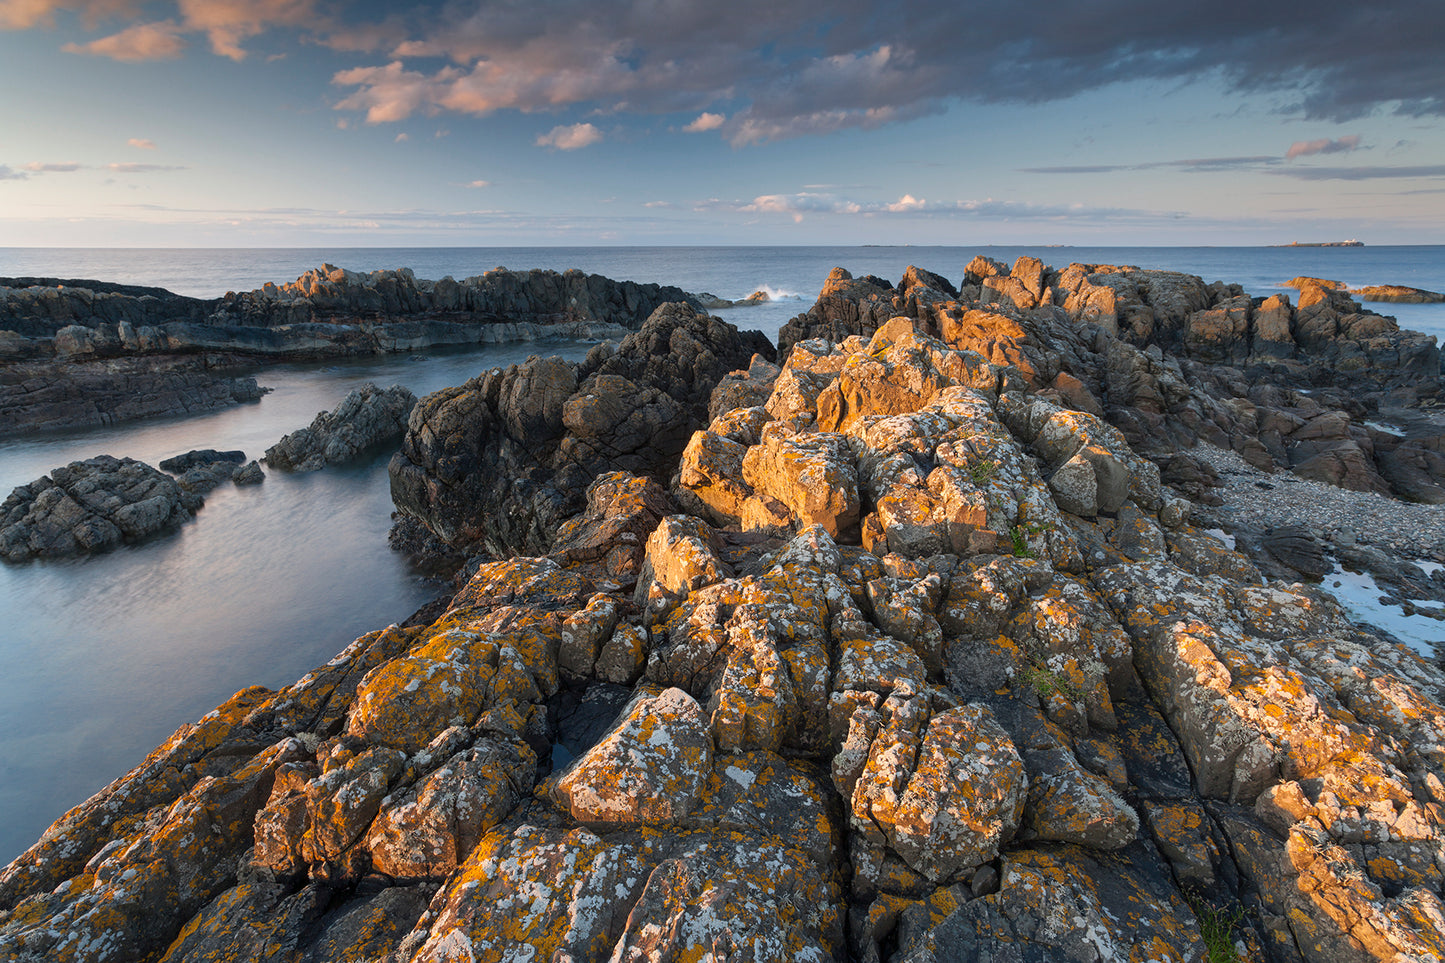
point(1217, 926)
point(1046, 682)
point(982, 471)
point(1019, 534)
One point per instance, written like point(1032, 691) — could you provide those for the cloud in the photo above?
point(10, 174)
point(1304, 148)
point(804, 203)
point(1193, 164)
point(401, 138)
point(1360, 173)
point(67, 167)
point(574, 137)
point(143, 42)
point(480, 184)
point(141, 143)
point(705, 122)
point(128, 168)
point(24, 14)
point(775, 69)
point(784, 69)
point(226, 23)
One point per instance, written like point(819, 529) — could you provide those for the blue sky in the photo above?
point(307, 122)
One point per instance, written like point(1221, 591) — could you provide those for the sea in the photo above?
point(101, 658)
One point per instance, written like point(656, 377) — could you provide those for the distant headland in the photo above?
point(1350, 243)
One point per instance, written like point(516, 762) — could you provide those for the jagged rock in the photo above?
point(90, 506)
point(367, 417)
point(502, 461)
point(248, 474)
point(648, 771)
point(928, 746)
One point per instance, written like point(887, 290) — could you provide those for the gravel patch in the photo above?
point(1260, 500)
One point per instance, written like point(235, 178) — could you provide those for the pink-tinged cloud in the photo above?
point(705, 122)
point(574, 137)
point(142, 143)
point(1305, 148)
point(130, 168)
point(389, 93)
point(23, 14)
point(143, 42)
point(480, 184)
point(227, 23)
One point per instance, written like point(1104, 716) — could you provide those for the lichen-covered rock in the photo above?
point(648, 771)
point(945, 793)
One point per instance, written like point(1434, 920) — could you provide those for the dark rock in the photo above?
point(503, 460)
point(249, 474)
point(46, 395)
point(366, 418)
point(90, 506)
point(179, 464)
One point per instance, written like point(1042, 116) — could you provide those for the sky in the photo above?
point(578, 122)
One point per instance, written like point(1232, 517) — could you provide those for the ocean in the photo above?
point(103, 657)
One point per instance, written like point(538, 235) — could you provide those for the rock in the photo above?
point(366, 418)
point(539, 435)
point(204, 469)
point(42, 395)
point(249, 474)
point(90, 506)
point(945, 794)
point(1398, 294)
point(1028, 716)
point(648, 771)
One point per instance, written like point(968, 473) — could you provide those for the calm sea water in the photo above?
point(103, 657)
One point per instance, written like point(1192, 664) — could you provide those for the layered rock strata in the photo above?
point(885, 699)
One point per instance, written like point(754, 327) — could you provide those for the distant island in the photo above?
point(1350, 243)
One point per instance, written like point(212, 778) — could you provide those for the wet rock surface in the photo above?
point(901, 694)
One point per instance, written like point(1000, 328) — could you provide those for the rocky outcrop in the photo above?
point(500, 462)
point(366, 418)
point(1397, 293)
point(976, 724)
point(47, 395)
point(1170, 360)
point(125, 319)
point(90, 506)
point(127, 352)
point(203, 469)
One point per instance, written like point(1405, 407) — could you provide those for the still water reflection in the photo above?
point(101, 658)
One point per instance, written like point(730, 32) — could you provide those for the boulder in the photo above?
point(649, 770)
